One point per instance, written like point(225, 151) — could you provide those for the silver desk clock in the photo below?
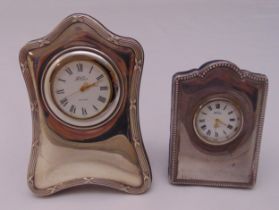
point(83, 82)
point(216, 125)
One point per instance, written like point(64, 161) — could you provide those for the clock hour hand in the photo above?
point(86, 86)
point(218, 122)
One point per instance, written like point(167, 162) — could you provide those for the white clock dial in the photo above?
point(81, 89)
point(218, 122)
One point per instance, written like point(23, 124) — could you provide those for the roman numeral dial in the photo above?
point(218, 121)
point(81, 89)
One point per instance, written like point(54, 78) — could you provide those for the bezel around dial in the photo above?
point(82, 54)
point(104, 72)
point(209, 141)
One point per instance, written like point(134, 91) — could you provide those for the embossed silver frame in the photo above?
point(231, 165)
point(81, 30)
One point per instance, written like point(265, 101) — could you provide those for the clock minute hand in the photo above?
point(84, 87)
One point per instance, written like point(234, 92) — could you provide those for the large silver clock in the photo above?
point(83, 82)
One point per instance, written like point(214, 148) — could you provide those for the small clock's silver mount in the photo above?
point(199, 160)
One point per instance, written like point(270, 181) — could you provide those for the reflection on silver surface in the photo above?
point(110, 154)
point(61, 161)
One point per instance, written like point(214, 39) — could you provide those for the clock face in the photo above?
point(218, 121)
point(81, 89)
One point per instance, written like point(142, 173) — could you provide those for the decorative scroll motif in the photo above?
point(77, 19)
point(43, 42)
point(126, 188)
point(89, 180)
point(31, 180)
point(146, 176)
point(23, 67)
point(34, 106)
point(138, 64)
point(54, 189)
point(113, 39)
point(35, 143)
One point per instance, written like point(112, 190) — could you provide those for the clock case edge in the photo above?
point(136, 138)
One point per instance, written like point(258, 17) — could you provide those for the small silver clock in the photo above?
point(216, 125)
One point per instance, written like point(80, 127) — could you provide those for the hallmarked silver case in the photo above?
point(110, 153)
point(232, 165)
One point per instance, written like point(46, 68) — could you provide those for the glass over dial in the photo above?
point(81, 89)
point(218, 122)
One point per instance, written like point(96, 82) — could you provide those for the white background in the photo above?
point(176, 36)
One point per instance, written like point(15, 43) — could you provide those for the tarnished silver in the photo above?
point(192, 161)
